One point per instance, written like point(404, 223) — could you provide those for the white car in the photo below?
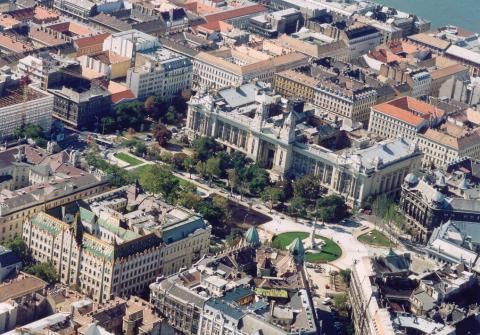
point(327, 301)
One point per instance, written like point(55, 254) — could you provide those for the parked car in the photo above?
point(327, 301)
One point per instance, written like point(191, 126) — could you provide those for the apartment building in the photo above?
point(79, 9)
point(115, 244)
point(160, 72)
point(347, 99)
point(15, 111)
point(105, 64)
point(449, 143)
point(360, 39)
point(127, 43)
point(227, 67)
point(293, 84)
point(237, 118)
point(404, 116)
point(34, 180)
point(341, 96)
point(79, 102)
point(437, 195)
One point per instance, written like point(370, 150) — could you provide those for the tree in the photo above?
point(20, 249)
point(256, 177)
point(149, 105)
point(346, 276)
point(158, 179)
point(189, 200)
point(307, 187)
point(44, 271)
point(212, 168)
point(223, 205)
point(233, 180)
point(239, 161)
point(204, 148)
point(210, 212)
point(129, 115)
point(297, 207)
point(287, 189)
point(380, 206)
point(340, 302)
point(162, 134)
point(200, 168)
point(171, 115)
point(272, 195)
point(178, 160)
point(331, 208)
point(189, 165)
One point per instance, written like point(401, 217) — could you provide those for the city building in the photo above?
point(79, 9)
point(80, 103)
point(431, 198)
point(455, 242)
point(106, 64)
point(277, 23)
point(46, 68)
point(226, 295)
point(235, 66)
point(128, 43)
point(360, 39)
point(288, 141)
point(388, 297)
point(342, 97)
point(90, 45)
point(10, 264)
point(404, 116)
point(23, 104)
point(116, 243)
point(34, 180)
point(461, 87)
point(161, 72)
point(314, 44)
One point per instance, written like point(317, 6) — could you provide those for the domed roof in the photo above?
point(411, 179)
point(296, 249)
point(251, 236)
point(438, 197)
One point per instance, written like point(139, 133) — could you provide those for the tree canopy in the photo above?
point(331, 208)
point(158, 179)
point(44, 271)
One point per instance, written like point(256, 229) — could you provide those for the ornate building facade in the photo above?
point(253, 120)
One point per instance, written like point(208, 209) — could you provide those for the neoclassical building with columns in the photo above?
point(283, 136)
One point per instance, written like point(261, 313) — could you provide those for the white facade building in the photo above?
point(162, 73)
point(15, 112)
point(237, 118)
point(128, 43)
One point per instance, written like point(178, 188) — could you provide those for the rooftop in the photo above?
point(429, 40)
point(409, 110)
point(21, 286)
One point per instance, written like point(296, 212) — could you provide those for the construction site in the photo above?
point(21, 104)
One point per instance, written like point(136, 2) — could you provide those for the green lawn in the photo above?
point(376, 238)
point(128, 158)
point(330, 251)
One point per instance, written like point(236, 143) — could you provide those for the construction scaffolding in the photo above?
point(19, 95)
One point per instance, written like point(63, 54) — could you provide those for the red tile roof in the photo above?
point(237, 12)
point(91, 40)
point(409, 110)
point(120, 96)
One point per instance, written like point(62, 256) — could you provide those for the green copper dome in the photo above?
point(297, 250)
point(251, 236)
